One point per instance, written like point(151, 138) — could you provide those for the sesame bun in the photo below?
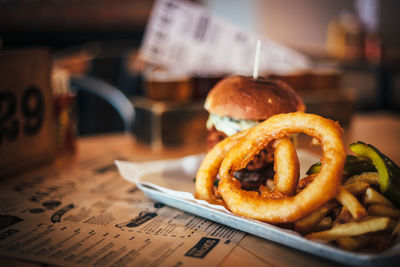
point(246, 98)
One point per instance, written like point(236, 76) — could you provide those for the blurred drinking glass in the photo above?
point(64, 110)
point(202, 83)
point(166, 85)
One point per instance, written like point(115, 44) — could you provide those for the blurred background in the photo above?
point(354, 47)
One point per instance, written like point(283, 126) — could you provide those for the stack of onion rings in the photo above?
point(286, 166)
point(324, 187)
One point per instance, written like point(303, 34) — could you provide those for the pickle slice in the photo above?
point(353, 165)
point(315, 168)
point(389, 172)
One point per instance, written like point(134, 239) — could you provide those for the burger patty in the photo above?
point(257, 171)
point(252, 179)
point(214, 137)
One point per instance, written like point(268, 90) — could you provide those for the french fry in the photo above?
point(382, 210)
point(306, 224)
point(357, 188)
point(324, 224)
point(351, 203)
point(365, 218)
point(344, 216)
point(373, 197)
point(354, 228)
point(367, 177)
point(396, 232)
point(353, 243)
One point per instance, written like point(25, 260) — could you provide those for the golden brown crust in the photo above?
point(323, 188)
point(242, 97)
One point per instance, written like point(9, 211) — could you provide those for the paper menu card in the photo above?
point(186, 36)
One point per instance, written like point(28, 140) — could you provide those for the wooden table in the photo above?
point(380, 129)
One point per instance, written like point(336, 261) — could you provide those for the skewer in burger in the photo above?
point(237, 103)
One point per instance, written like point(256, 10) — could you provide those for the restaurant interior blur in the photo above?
point(103, 133)
point(354, 47)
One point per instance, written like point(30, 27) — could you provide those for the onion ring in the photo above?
point(286, 176)
point(286, 166)
point(208, 170)
point(287, 170)
point(324, 187)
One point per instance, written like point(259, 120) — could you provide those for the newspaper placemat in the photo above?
point(87, 215)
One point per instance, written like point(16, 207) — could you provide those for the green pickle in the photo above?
point(353, 165)
point(389, 172)
point(315, 168)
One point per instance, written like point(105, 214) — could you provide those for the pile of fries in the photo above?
point(359, 218)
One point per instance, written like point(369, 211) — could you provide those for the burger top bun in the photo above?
point(246, 98)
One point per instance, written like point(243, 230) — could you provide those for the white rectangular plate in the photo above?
point(171, 182)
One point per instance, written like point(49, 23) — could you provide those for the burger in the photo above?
point(237, 103)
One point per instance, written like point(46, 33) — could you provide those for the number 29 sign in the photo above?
point(26, 110)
